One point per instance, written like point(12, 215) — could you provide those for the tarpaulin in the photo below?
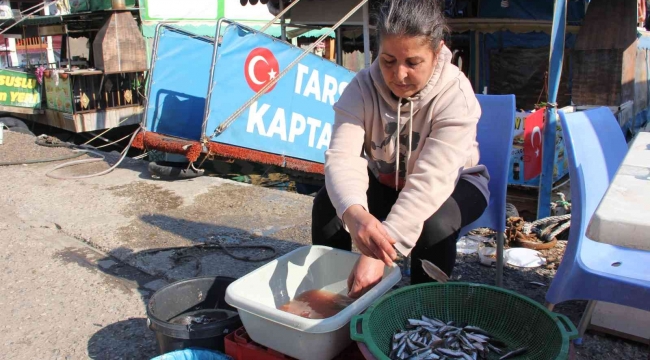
point(179, 84)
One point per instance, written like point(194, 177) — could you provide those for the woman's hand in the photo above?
point(369, 235)
point(365, 274)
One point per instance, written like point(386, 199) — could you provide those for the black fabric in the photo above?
point(437, 243)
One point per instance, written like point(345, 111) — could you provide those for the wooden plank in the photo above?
point(107, 119)
point(608, 24)
point(85, 72)
point(622, 321)
point(20, 110)
point(628, 72)
point(89, 121)
point(51, 30)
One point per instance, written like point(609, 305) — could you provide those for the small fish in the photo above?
point(402, 350)
point(448, 352)
point(410, 345)
point(432, 321)
point(466, 342)
point(476, 329)
point(514, 353)
point(537, 283)
point(476, 338)
point(434, 272)
point(445, 329)
point(399, 336)
point(415, 322)
point(495, 349)
point(432, 356)
point(478, 346)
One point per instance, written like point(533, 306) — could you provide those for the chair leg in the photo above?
point(549, 306)
point(585, 321)
point(500, 241)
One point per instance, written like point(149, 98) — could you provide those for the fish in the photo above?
point(514, 353)
point(495, 349)
point(415, 322)
point(475, 329)
point(434, 272)
point(431, 338)
point(449, 352)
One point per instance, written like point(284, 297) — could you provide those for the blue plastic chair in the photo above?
point(495, 135)
point(595, 148)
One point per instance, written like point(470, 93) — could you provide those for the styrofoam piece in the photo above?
point(523, 257)
point(487, 255)
point(258, 295)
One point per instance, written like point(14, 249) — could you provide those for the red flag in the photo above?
point(533, 129)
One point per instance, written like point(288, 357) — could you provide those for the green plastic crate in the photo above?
point(77, 6)
point(97, 5)
point(512, 318)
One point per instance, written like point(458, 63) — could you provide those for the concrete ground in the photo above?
point(80, 258)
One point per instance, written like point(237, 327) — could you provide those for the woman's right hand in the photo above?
point(365, 274)
point(369, 235)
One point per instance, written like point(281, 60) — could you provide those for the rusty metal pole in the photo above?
point(118, 4)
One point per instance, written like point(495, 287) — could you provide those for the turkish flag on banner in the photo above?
point(533, 129)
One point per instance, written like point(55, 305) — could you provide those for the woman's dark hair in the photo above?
point(412, 18)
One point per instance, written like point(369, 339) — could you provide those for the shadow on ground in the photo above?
point(148, 270)
point(128, 339)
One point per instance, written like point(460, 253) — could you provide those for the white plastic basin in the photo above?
point(258, 295)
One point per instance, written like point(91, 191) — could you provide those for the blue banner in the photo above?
point(294, 117)
point(179, 83)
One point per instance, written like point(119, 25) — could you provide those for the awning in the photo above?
point(209, 29)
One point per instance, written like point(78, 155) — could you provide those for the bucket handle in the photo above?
point(567, 328)
point(356, 329)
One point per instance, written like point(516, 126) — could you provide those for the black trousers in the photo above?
point(437, 242)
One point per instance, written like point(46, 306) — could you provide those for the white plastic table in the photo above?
point(623, 215)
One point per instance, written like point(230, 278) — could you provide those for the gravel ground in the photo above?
point(18, 147)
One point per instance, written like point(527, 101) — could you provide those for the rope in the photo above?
point(112, 142)
point(548, 220)
point(223, 126)
point(86, 161)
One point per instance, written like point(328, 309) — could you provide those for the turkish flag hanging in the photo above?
point(533, 129)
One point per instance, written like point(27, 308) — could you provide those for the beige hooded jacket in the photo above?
point(437, 146)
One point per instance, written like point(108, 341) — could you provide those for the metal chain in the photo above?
point(224, 125)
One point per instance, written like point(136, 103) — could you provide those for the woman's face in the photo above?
point(406, 63)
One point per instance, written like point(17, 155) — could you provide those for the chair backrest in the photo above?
point(595, 148)
point(494, 135)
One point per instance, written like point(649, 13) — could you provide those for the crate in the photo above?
point(239, 346)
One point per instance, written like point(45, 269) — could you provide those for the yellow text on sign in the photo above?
point(20, 97)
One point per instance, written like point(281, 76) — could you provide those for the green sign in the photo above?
point(19, 89)
point(161, 10)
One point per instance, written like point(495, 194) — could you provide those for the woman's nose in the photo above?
point(401, 73)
